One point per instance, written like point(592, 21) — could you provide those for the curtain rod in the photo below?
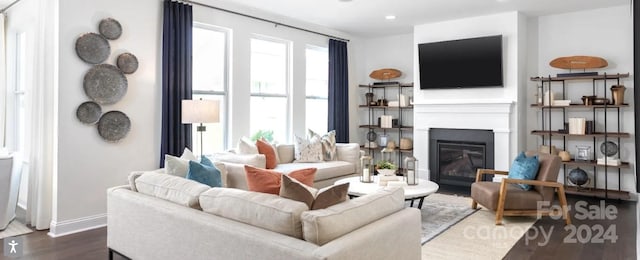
point(265, 20)
point(8, 6)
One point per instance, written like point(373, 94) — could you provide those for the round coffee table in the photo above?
point(411, 192)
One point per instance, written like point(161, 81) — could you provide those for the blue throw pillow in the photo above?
point(204, 160)
point(524, 168)
point(205, 174)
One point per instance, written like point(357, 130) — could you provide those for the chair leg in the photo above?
point(474, 204)
point(563, 204)
point(501, 199)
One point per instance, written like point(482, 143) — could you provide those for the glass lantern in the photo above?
point(366, 166)
point(411, 170)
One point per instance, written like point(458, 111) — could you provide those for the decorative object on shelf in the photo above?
point(583, 152)
point(371, 136)
point(382, 102)
point(577, 126)
point(545, 149)
point(366, 164)
point(601, 101)
point(105, 84)
point(562, 103)
point(564, 156)
point(387, 154)
point(539, 94)
point(609, 149)
point(385, 74)
point(383, 139)
point(403, 100)
point(578, 177)
point(580, 63)
point(113, 126)
point(89, 112)
point(369, 97)
point(617, 93)
point(127, 62)
point(588, 100)
point(589, 127)
point(199, 112)
point(386, 121)
point(411, 170)
point(93, 48)
point(391, 145)
point(110, 28)
point(406, 144)
point(548, 98)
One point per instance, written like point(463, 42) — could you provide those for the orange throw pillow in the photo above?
point(268, 181)
point(267, 149)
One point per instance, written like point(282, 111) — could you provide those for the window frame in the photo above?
point(314, 97)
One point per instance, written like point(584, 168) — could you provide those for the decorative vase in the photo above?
point(617, 92)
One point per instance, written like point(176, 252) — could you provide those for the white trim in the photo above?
point(68, 227)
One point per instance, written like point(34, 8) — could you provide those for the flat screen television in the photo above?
point(464, 63)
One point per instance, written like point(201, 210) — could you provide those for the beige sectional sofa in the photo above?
point(159, 216)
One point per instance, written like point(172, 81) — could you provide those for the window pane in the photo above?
point(317, 71)
point(213, 137)
point(209, 47)
point(269, 113)
point(268, 67)
point(316, 115)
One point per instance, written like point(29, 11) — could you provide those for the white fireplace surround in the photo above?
point(486, 114)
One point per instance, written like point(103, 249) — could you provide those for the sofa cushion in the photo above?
point(286, 153)
point(172, 188)
point(324, 225)
point(308, 150)
point(325, 170)
point(269, 153)
point(255, 160)
point(314, 198)
point(269, 181)
point(262, 210)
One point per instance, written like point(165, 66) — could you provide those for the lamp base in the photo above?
point(201, 128)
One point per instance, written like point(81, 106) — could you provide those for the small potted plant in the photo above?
point(386, 167)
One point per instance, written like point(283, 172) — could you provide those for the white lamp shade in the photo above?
point(200, 111)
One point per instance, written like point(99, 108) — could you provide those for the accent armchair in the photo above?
point(508, 199)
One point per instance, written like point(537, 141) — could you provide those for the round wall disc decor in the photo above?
point(113, 126)
point(89, 112)
point(110, 28)
point(609, 148)
point(93, 48)
point(127, 62)
point(105, 84)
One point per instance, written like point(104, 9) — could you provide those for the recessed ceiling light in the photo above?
point(390, 17)
point(344, 0)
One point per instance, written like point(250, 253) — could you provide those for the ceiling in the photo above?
point(366, 18)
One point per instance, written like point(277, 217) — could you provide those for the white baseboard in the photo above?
point(68, 227)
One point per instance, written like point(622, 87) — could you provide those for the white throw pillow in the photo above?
point(246, 146)
point(308, 150)
point(178, 166)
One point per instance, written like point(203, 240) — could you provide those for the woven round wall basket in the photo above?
point(406, 144)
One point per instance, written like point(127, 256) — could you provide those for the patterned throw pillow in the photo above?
point(524, 168)
point(328, 141)
point(308, 150)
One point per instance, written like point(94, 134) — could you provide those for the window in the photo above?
point(270, 87)
point(317, 88)
point(210, 70)
point(17, 79)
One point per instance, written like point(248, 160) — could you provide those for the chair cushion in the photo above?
point(524, 168)
point(487, 194)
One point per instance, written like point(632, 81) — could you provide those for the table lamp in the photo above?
point(200, 111)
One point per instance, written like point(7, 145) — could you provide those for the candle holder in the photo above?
point(411, 170)
point(366, 166)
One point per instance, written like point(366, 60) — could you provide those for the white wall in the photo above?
point(395, 51)
point(87, 165)
point(606, 33)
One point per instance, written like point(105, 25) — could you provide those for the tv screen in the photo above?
point(465, 63)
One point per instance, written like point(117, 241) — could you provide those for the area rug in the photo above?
point(15, 228)
point(476, 236)
point(439, 212)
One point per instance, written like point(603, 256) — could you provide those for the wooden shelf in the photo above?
point(577, 106)
point(378, 127)
point(387, 107)
point(597, 134)
point(600, 193)
point(380, 148)
point(608, 76)
point(391, 85)
point(591, 163)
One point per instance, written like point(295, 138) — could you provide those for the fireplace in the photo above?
point(456, 154)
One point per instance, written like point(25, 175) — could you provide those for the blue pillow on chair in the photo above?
point(524, 168)
point(205, 174)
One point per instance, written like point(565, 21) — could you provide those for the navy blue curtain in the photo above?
point(338, 90)
point(176, 77)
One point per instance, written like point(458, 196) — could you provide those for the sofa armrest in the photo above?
point(349, 152)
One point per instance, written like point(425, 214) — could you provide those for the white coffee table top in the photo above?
point(358, 188)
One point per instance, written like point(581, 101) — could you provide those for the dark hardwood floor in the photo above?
point(92, 244)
